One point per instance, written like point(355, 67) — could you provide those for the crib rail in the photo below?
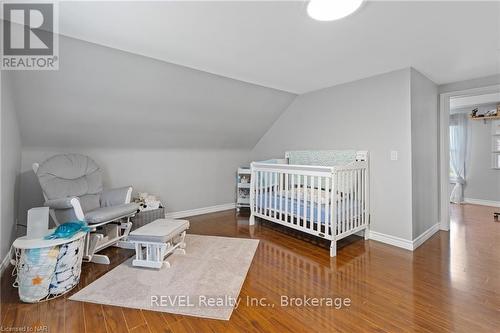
point(276, 195)
point(352, 206)
point(329, 202)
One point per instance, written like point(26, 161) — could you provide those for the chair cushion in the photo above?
point(69, 175)
point(159, 231)
point(110, 213)
point(89, 202)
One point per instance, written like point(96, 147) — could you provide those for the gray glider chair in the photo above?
point(72, 187)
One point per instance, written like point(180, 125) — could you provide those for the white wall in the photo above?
point(183, 179)
point(10, 165)
point(372, 114)
point(424, 147)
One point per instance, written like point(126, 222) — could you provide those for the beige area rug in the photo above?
point(205, 282)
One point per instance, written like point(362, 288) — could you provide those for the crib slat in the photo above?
point(287, 190)
point(327, 205)
point(366, 196)
point(275, 194)
point(360, 199)
point(351, 199)
point(349, 213)
point(260, 184)
point(363, 220)
point(292, 204)
point(304, 202)
point(311, 205)
point(318, 217)
point(346, 184)
point(356, 200)
point(268, 194)
point(280, 212)
point(344, 206)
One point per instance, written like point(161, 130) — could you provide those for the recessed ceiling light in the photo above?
point(330, 10)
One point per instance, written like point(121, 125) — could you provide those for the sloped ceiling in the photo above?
point(275, 43)
point(205, 74)
point(102, 97)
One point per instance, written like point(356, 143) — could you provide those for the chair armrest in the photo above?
point(61, 203)
point(67, 203)
point(116, 196)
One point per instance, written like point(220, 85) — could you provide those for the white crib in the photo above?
point(330, 202)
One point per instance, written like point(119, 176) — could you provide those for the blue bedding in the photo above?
point(298, 207)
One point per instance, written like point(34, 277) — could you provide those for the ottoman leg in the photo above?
point(182, 244)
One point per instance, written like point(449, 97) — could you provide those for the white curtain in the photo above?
point(458, 147)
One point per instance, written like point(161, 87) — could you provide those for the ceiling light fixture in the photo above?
point(330, 10)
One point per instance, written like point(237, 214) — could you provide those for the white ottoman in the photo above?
point(156, 240)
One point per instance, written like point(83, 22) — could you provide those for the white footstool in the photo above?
point(156, 240)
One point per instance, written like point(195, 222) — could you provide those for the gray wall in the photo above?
point(183, 179)
point(10, 166)
point(424, 148)
point(482, 182)
point(371, 114)
point(166, 129)
point(106, 98)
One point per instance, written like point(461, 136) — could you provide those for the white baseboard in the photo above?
point(482, 202)
point(426, 235)
point(199, 211)
point(405, 243)
point(391, 240)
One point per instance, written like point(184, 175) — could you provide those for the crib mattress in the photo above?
point(296, 207)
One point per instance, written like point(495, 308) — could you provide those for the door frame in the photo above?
point(444, 147)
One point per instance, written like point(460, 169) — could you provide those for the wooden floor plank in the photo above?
point(75, 320)
point(449, 284)
point(133, 318)
point(113, 317)
point(94, 318)
point(156, 322)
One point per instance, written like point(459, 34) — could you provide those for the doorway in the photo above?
point(482, 98)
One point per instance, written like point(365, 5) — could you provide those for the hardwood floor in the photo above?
point(449, 284)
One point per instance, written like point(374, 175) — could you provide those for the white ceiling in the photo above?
point(275, 44)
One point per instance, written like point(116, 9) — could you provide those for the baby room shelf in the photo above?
point(485, 118)
point(243, 188)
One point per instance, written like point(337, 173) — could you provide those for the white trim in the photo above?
point(444, 147)
point(391, 240)
point(404, 243)
point(425, 236)
point(200, 211)
point(482, 202)
point(5, 263)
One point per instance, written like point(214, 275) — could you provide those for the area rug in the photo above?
point(205, 282)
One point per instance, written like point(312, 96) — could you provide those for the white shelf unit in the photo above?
point(495, 144)
point(243, 188)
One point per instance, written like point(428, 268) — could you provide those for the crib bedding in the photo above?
point(296, 206)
